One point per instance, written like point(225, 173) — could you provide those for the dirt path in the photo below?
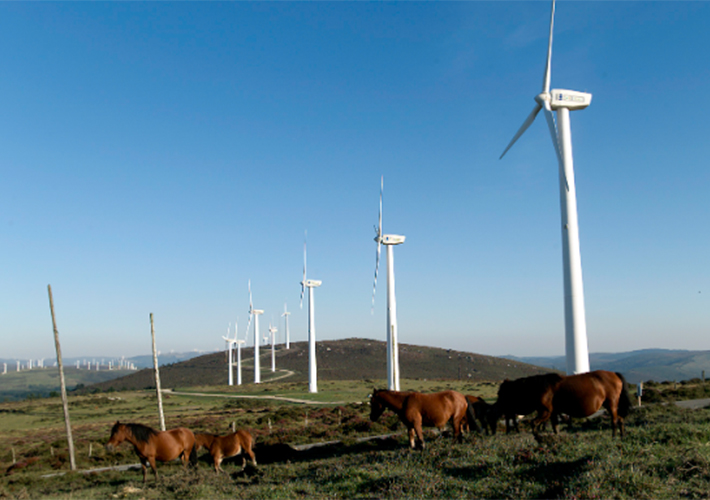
point(245, 396)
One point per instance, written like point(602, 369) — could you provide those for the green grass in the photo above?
point(666, 453)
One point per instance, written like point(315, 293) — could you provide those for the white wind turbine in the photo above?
point(564, 101)
point(230, 345)
point(389, 240)
point(310, 284)
point(272, 334)
point(255, 313)
point(288, 335)
point(238, 343)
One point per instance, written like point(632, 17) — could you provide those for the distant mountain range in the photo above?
point(637, 366)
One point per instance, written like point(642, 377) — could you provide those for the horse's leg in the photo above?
point(250, 453)
point(411, 438)
point(420, 432)
point(153, 466)
point(143, 465)
point(614, 418)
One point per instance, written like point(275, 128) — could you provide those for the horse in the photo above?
point(522, 397)
point(151, 445)
point(480, 409)
point(584, 394)
point(231, 445)
point(415, 410)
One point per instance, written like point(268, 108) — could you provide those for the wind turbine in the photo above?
point(230, 345)
point(255, 313)
point(238, 343)
point(288, 335)
point(272, 333)
point(310, 284)
point(389, 240)
point(563, 101)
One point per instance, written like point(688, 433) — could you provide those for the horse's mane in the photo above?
point(140, 432)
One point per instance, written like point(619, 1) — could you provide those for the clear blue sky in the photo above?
point(154, 157)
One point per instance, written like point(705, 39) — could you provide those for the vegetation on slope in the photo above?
point(349, 359)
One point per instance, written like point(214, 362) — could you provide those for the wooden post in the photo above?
point(157, 376)
point(14, 460)
point(62, 384)
point(639, 391)
point(89, 449)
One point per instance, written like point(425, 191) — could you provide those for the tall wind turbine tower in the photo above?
point(272, 334)
point(310, 285)
point(562, 102)
point(389, 240)
point(255, 313)
point(230, 359)
point(288, 335)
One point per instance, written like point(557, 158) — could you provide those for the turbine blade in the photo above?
point(548, 68)
point(382, 187)
point(377, 267)
point(528, 121)
point(553, 129)
point(303, 282)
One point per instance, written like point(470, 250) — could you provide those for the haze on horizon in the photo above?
point(157, 156)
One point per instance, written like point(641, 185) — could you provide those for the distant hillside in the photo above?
point(350, 359)
point(38, 382)
point(643, 365)
point(142, 361)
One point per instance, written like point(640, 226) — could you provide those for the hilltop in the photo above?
point(349, 359)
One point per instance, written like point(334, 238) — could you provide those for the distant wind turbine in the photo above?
point(564, 101)
point(389, 240)
point(272, 334)
point(255, 313)
point(310, 285)
point(288, 335)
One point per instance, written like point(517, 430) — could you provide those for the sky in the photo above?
point(156, 157)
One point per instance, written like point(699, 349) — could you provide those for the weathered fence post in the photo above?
point(157, 376)
point(62, 384)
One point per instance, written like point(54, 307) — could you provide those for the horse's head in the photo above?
point(118, 434)
point(377, 406)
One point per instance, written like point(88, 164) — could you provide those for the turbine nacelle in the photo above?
point(570, 99)
point(257, 311)
point(311, 283)
point(390, 239)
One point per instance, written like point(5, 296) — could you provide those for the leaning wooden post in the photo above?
point(62, 383)
point(157, 376)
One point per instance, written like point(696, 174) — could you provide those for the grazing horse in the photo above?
point(151, 445)
point(231, 445)
point(415, 410)
point(522, 397)
point(480, 409)
point(584, 394)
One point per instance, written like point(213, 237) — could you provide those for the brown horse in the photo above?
point(415, 410)
point(584, 394)
point(231, 445)
point(522, 397)
point(151, 445)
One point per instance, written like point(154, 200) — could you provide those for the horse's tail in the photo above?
point(624, 406)
point(193, 455)
point(471, 417)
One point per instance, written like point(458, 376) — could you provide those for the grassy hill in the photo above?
point(642, 365)
point(42, 382)
point(349, 359)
